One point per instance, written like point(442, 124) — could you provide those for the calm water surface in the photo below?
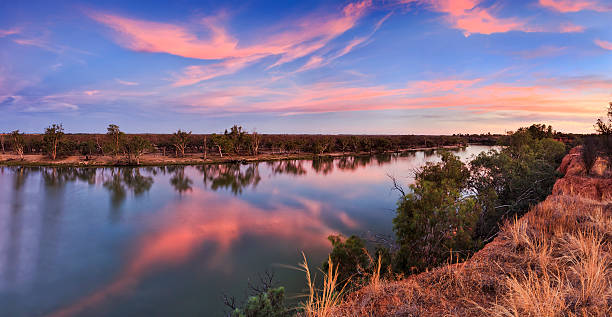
point(171, 241)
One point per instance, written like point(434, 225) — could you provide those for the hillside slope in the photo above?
point(554, 261)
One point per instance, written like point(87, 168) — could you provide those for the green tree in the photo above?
point(221, 142)
point(436, 217)
point(236, 138)
point(116, 134)
point(180, 140)
point(135, 147)
point(18, 142)
point(510, 180)
point(351, 257)
point(52, 138)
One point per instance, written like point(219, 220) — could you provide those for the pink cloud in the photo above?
point(319, 60)
point(466, 15)
point(442, 85)
point(472, 18)
point(126, 83)
point(4, 33)
point(184, 228)
point(576, 97)
point(604, 44)
point(301, 38)
point(566, 6)
point(570, 28)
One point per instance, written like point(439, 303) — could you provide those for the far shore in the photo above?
point(157, 159)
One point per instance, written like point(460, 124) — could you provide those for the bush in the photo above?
point(436, 218)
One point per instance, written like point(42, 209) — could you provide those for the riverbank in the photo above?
point(156, 159)
point(556, 260)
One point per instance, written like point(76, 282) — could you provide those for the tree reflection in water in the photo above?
point(323, 165)
point(179, 180)
point(235, 177)
point(123, 178)
point(292, 167)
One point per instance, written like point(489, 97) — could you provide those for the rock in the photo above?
point(585, 187)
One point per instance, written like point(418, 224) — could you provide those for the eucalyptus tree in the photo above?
point(18, 142)
point(236, 137)
point(255, 140)
point(180, 140)
point(116, 134)
point(220, 141)
point(52, 138)
point(135, 147)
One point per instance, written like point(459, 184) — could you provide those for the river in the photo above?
point(170, 241)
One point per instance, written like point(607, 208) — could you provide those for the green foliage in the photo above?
point(18, 142)
point(180, 140)
point(135, 147)
point(221, 142)
point(115, 134)
point(510, 180)
point(270, 303)
point(436, 217)
point(87, 147)
point(350, 256)
point(236, 138)
point(52, 139)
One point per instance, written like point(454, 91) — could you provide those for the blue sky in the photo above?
point(405, 67)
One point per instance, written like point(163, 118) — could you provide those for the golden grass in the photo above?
point(320, 301)
point(554, 261)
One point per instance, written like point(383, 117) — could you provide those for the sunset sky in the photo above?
point(380, 67)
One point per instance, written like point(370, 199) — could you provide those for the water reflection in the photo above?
point(60, 256)
point(235, 177)
point(179, 181)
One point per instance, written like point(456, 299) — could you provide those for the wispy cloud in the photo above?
point(575, 96)
point(473, 17)
point(5, 33)
point(319, 60)
point(126, 83)
point(604, 44)
point(302, 38)
point(566, 6)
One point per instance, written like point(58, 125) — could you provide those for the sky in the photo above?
point(359, 67)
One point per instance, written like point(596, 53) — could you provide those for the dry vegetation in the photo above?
point(554, 261)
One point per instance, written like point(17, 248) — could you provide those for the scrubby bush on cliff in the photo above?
point(510, 180)
point(453, 208)
point(436, 217)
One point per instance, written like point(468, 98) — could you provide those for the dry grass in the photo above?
point(320, 301)
point(554, 261)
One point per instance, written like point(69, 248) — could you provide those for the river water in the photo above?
point(170, 241)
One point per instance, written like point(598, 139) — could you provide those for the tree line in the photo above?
point(56, 143)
